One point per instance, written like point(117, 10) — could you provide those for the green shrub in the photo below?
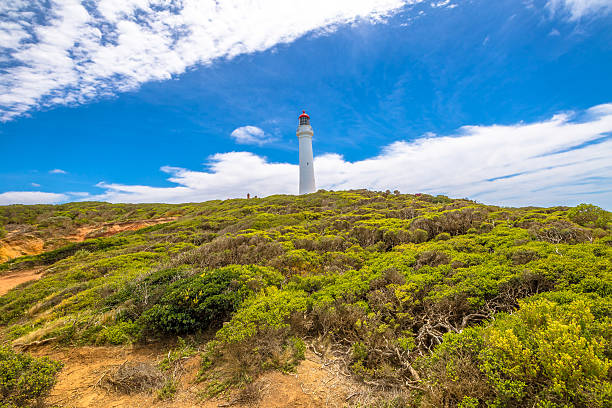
point(419, 235)
point(257, 338)
point(24, 380)
point(167, 391)
point(522, 256)
point(443, 236)
point(207, 300)
point(547, 351)
point(589, 215)
point(120, 333)
point(270, 310)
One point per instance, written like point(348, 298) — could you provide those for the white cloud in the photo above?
point(580, 8)
point(229, 175)
point(35, 184)
point(440, 3)
point(251, 135)
point(563, 160)
point(81, 194)
point(58, 171)
point(70, 51)
point(31, 197)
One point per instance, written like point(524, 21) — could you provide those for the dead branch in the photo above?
point(34, 343)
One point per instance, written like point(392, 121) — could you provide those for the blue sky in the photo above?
point(506, 102)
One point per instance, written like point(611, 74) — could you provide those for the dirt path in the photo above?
point(314, 384)
point(8, 282)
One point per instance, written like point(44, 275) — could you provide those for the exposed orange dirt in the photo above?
point(315, 383)
point(112, 228)
point(14, 247)
point(9, 281)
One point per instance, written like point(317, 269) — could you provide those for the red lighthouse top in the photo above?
point(304, 118)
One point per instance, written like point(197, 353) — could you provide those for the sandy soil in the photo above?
point(315, 383)
point(9, 281)
point(108, 229)
point(14, 247)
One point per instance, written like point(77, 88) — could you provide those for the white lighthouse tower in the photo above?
point(304, 134)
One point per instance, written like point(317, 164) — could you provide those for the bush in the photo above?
point(167, 391)
point(589, 215)
point(121, 333)
point(522, 256)
point(207, 300)
point(560, 232)
point(443, 236)
point(258, 338)
point(270, 310)
point(226, 250)
point(25, 380)
point(431, 258)
point(420, 235)
point(546, 352)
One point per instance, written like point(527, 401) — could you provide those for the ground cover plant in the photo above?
point(445, 302)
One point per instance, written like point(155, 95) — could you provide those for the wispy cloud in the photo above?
point(251, 135)
point(576, 9)
point(563, 160)
point(31, 197)
point(70, 51)
point(58, 171)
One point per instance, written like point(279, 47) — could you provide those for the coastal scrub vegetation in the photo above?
point(446, 302)
point(24, 380)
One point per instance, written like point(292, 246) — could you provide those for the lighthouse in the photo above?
point(304, 134)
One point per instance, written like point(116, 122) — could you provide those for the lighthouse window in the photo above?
point(303, 120)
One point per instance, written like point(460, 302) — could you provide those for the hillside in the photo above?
point(413, 300)
point(33, 229)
